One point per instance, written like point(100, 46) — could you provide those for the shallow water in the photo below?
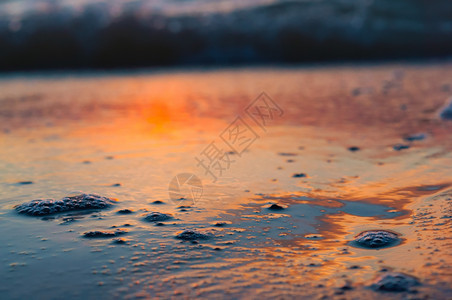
point(73, 133)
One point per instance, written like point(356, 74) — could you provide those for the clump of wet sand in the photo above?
point(43, 207)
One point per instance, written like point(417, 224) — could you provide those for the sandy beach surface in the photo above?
point(344, 150)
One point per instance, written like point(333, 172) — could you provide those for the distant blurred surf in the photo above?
point(75, 34)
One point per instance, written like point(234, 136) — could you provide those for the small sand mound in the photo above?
point(394, 282)
point(353, 149)
point(299, 175)
point(221, 224)
point(42, 207)
point(400, 147)
point(415, 137)
point(157, 217)
point(120, 241)
point(103, 234)
point(124, 211)
point(24, 182)
point(275, 206)
point(191, 235)
point(376, 239)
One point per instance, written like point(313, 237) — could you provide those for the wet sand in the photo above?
point(338, 162)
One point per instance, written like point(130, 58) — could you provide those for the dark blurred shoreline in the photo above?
point(282, 33)
point(60, 73)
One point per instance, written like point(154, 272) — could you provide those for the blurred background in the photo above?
point(91, 34)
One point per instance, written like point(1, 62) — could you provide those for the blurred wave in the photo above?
point(53, 34)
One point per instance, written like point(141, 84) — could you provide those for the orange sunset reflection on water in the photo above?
point(128, 136)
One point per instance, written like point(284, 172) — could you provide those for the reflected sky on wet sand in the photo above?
point(125, 136)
